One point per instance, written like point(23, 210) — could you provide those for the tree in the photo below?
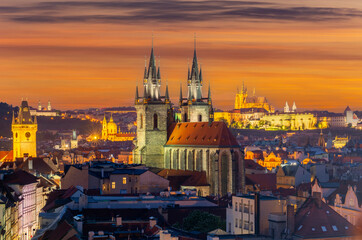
point(201, 222)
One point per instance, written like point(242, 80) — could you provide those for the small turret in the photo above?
point(294, 107)
point(136, 95)
point(286, 107)
point(209, 96)
point(167, 97)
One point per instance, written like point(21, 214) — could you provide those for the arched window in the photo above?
point(155, 121)
point(185, 117)
point(200, 118)
point(141, 119)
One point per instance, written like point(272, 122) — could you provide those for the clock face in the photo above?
point(27, 134)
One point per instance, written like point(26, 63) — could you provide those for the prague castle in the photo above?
point(24, 130)
point(196, 143)
point(243, 101)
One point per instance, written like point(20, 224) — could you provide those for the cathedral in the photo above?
point(24, 129)
point(110, 132)
point(196, 142)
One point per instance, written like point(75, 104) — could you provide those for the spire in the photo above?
point(166, 95)
point(209, 95)
point(194, 68)
point(180, 93)
point(145, 73)
point(13, 121)
point(158, 70)
point(188, 69)
point(200, 75)
point(104, 120)
point(35, 120)
point(111, 119)
point(136, 96)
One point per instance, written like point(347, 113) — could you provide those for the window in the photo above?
point(141, 121)
point(113, 185)
point(351, 202)
point(185, 117)
point(155, 121)
point(240, 207)
point(236, 207)
point(240, 223)
point(334, 228)
point(251, 226)
point(129, 179)
point(124, 180)
point(246, 208)
point(236, 222)
point(200, 118)
point(246, 225)
point(324, 229)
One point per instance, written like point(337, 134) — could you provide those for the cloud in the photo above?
point(130, 12)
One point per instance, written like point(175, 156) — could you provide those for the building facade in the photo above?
point(24, 129)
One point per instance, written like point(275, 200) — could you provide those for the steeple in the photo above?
point(294, 107)
point(111, 119)
point(180, 93)
point(286, 108)
point(209, 95)
point(167, 97)
point(35, 120)
point(152, 79)
point(13, 121)
point(136, 96)
point(104, 120)
point(195, 80)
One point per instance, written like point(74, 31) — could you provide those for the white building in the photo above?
point(248, 215)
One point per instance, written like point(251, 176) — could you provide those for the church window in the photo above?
point(155, 121)
point(141, 126)
point(200, 118)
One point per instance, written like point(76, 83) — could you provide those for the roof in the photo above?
point(180, 178)
point(38, 165)
point(60, 232)
point(6, 156)
point(252, 165)
point(266, 181)
point(290, 170)
point(20, 177)
point(201, 134)
point(59, 198)
point(316, 219)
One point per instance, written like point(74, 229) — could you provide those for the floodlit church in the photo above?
point(24, 129)
point(195, 142)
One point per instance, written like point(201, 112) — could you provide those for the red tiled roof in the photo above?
point(58, 198)
point(6, 156)
point(284, 192)
point(201, 134)
point(265, 181)
point(180, 178)
point(316, 219)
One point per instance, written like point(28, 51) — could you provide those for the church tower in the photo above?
point(154, 115)
point(104, 128)
point(24, 130)
point(195, 108)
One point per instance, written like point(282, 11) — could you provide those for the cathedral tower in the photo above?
point(24, 130)
point(104, 128)
point(154, 115)
point(195, 108)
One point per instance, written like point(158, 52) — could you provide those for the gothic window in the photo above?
point(200, 118)
point(155, 121)
point(141, 125)
point(185, 117)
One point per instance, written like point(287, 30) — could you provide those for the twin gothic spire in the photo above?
point(152, 83)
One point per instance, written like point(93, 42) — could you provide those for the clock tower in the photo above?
point(24, 129)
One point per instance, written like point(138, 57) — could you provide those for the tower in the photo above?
point(74, 140)
point(154, 115)
point(49, 108)
point(104, 128)
point(286, 108)
point(294, 107)
point(39, 106)
point(24, 130)
point(321, 142)
point(195, 108)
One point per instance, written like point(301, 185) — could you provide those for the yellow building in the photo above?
point(242, 100)
point(271, 161)
point(111, 133)
point(292, 121)
point(24, 130)
point(340, 142)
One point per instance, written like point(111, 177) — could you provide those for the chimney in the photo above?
point(290, 219)
point(30, 164)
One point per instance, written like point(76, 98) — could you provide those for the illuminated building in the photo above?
point(271, 161)
point(196, 143)
point(292, 121)
point(242, 100)
point(46, 112)
point(24, 130)
point(111, 132)
point(340, 142)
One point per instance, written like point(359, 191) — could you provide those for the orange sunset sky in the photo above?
point(83, 54)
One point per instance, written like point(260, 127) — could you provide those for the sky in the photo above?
point(80, 54)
